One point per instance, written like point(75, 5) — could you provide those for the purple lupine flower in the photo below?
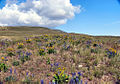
point(77, 79)
point(27, 73)
point(42, 82)
point(50, 83)
point(11, 71)
point(68, 47)
point(88, 42)
point(58, 72)
point(19, 52)
point(81, 82)
point(14, 71)
point(1, 82)
point(51, 65)
point(73, 74)
point(6, 59)
point(79, 73)
point(72, 81)
point(86, 82)
point(3, 43)
point(28, 53)
point(56, 64)
point(26, 38)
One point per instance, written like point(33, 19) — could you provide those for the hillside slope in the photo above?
point(21, 31)
point(24, 30)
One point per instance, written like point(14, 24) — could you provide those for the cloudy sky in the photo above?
point(94, 17)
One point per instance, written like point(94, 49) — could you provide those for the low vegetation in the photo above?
point(61, 59)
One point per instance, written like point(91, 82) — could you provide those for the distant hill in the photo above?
point(24, 30)
point(19, 32)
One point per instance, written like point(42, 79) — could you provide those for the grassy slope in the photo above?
point(84, 57)
point(20, 32)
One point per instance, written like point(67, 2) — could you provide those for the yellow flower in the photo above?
point(59, 68)
point(20, 44)
point(66, 76)
point(10, 49)
point(46, 35)
point(112, 50)
point(29, 40)
point(63, 68)
point(2, 58)
point(41, 50)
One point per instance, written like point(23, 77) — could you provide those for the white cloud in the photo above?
point(46, 13)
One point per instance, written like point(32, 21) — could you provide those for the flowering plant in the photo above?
point(28, 40)
point(111, 52)
point(10, 51)
point(20, 45)
point(50, 50)
point(3, 67)
point(60, 76)
point(42, 51)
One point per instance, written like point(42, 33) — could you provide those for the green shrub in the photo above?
point(15, 63)
point(50, 51)
point(3, 67)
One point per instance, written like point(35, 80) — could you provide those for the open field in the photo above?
point(35, 55)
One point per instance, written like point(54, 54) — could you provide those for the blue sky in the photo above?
point(98, 17)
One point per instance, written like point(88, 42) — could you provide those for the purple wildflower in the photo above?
point(50, 83)
point(51, 65)
point(73, 74)
point(81, 82)
point(11, 71)
point(28, 53)
point(27, 73)
point(14, 71)
point(72, 81)
point(42, 82)
point(79, 73)
point(56, 64)
point(1, 82)
point(77, 80)
point(86, 82)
